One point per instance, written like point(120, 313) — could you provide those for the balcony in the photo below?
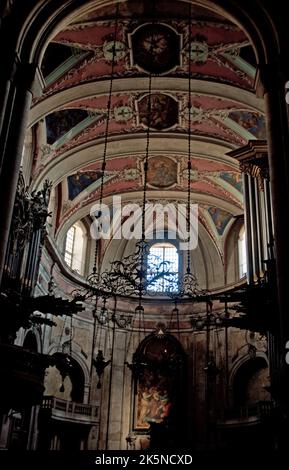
point(247, 415)
point(69, 411)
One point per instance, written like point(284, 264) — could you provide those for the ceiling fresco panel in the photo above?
point(253, 122)
point(156, 48)
point(216, 55)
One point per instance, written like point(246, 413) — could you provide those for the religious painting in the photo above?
point(233, 178)
point(60, 122)
point(220, 218)
point(80, 181)
point(251, 121)
point(159, 111)
point(156, 48)
point(155, 398)
point(162, 172)
point(159, 381)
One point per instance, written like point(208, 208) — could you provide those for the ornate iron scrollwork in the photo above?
point(26, 238)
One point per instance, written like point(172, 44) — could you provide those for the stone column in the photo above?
point(5, 422)
point(269, 221)
point(9, 64)
point(86, 393)
point(13, 147)
point(113, 399)
point(278, 154)
point(249, 253)
point(263, 225)
point(117, 399)
point(259, 227)
point(7, 97)
point(254, 228)
point(33, 429)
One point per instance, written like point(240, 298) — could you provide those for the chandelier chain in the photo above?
point(189, 152)
point(138, 274)
point(146, 162)
point(108, 112)
point(149, 106)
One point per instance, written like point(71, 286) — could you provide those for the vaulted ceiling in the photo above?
point(71, 115)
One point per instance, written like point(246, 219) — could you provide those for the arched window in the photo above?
point(158, 253)
point(75, 247)
point(242, 253)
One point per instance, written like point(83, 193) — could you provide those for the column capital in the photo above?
point(24, 75)
point(253, 160)
point(256, 171)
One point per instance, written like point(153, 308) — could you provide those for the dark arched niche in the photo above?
point(159, 367)
point(69, 366)
point(250, 382)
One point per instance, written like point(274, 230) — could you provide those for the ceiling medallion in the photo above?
point(123, 113)
point(109, 53)
point(155, 48)
point(197, 115)
point(162, 172)
point(198, 52)
point(163, 111)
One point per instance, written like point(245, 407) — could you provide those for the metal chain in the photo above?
point(103, 166)
point(149, 105)
point(71, 330)
point(189, 151)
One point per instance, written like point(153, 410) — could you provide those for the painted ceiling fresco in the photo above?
point(251, 121)
point(55, 55)
point(80, 181)
point(127, 175)
point(220, 218)
point(233, 178)
point(158, 111)
point(156, 48)
point(210, 117)
point(162, 172)
point(61, 122)
point(213, 52)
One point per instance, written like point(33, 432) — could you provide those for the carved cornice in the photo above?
point(253, 160)
point(259, 172)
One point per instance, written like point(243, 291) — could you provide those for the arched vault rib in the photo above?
point(137, 85)
point(48, 19)
point(197, 198)
point(125, 146)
